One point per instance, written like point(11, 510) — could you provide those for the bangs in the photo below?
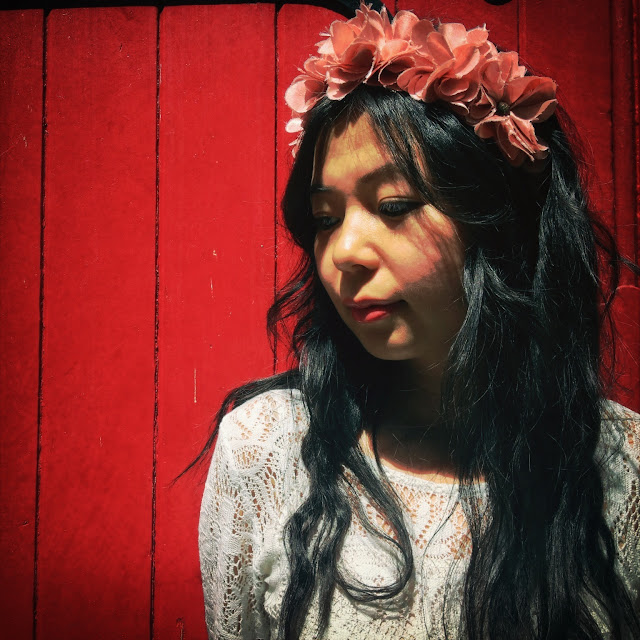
point(393, 123)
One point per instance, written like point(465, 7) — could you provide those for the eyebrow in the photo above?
point(386, 171)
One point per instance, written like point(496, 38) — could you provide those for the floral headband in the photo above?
point(488, 89)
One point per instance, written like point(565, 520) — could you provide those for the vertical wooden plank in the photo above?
point(626, 188)
point(298, 30)
point(626, 168)
point(627, 317)
point(582, 69)
point(99, 319)
point(21, 35)
point(216, 260)
point(635, 55)
point(625, 142)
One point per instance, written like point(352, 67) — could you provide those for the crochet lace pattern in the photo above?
point(256, 481)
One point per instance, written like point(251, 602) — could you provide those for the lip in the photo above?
point(370, 310)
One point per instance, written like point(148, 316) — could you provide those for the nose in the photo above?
point(354, 241)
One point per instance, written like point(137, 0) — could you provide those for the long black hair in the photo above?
point(521, 393)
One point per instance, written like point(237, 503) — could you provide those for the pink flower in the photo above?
point(396, 53)
point(307, 88)
point(351, 51)
point(395, 57)
point(354, 67)
point(512, 103)
point(447, 65)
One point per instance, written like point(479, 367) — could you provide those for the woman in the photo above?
point(441, 463)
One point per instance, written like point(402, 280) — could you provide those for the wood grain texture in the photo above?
point(216, 260)
point(21, 53)
point(98, 342)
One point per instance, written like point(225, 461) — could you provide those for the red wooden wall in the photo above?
point(142, 154)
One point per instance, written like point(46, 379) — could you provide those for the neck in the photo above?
point(410, 434)
point(414, 397)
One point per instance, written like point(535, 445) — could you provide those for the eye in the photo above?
point(323, 223)
point(397, 208)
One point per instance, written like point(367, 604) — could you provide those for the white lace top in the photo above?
point(256, 481)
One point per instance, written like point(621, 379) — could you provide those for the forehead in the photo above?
point(352, 154)
point(350, 148)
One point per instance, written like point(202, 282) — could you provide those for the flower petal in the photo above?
point(531, 98)
point(403, 25)
point(303, 93)
point(386, 25)
point(456, 89)
point(481, 107)
point(294, 125)
point(438, 48)
point(466, 60)
point(421, 32)
point(316, 67)
point(454, 33)
point(342, 35)
point(515, 137)
point(337, 91)
point(389, 73)
point(414, 81)
point(325, 48)
point(498, 71)
point(477, 37)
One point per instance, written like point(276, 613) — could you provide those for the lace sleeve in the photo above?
point(233, 592)
point(622, 490)
point(628, 525)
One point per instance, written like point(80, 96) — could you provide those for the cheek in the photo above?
point(436, 270)
point(432, 248)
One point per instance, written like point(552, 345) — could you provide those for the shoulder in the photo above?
point(242, 509)
point(619, 459)
point(268, 423)
point(257, 452)
point(620, 436)
point(258, 443)
point(618, 452)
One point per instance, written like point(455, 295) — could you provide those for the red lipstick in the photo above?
point(370, 310)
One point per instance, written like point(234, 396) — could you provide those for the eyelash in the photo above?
point(398, 208)
point(324, 223)
point(388, 208)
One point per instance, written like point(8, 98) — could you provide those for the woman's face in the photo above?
point(391, 264)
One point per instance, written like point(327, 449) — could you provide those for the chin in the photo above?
point(389, 350)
